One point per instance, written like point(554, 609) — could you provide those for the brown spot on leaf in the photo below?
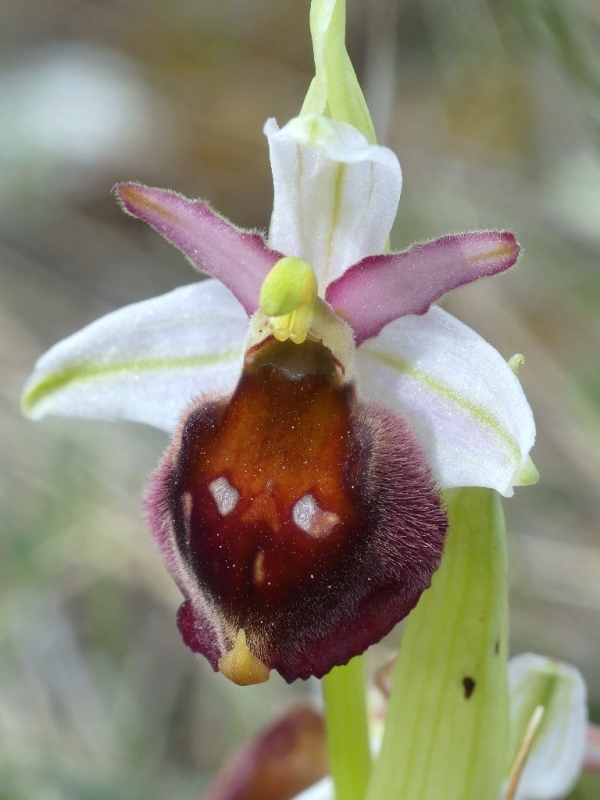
point(469, 686)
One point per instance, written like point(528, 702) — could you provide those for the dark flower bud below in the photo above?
point(300, 523)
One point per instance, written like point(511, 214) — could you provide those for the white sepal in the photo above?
point(336, 195)
point(459, 394)
point(144, 362)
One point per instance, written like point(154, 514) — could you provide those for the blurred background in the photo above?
point(494, 111)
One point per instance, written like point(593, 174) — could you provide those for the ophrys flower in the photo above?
point(297, 506)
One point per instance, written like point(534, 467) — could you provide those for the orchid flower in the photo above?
point(317, 398)
point(287, 316)
point(358, 400)
point(319, 401)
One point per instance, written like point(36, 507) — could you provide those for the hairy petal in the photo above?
point(239, 259)
point(144, 362)
point(557, 753)
point(336, 195)
point(276, 514)
point(458, 393)
point(382, 288)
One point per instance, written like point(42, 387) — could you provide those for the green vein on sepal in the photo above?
point(89, 372)
point(482, 416)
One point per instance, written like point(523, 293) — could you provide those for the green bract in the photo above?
point(447, 726)
point(335, 91)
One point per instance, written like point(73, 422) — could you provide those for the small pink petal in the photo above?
point(239, 259)
point(383, 288)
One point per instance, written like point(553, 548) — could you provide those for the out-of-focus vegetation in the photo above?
point(494, 110)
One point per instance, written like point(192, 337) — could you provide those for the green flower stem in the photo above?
point(347, 731)
point(446, 733)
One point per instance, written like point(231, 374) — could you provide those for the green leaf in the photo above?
point(446, 733)
point(347, 731)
